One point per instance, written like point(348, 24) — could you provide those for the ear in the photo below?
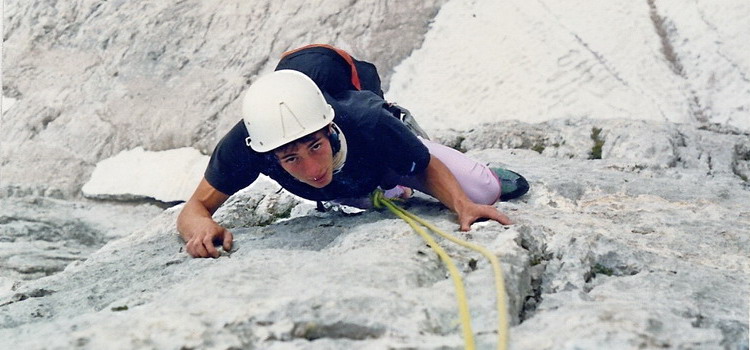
point(333, 138)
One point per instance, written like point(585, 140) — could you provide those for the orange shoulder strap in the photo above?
point(345, 55)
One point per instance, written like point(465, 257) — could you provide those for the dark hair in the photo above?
point(304, 139)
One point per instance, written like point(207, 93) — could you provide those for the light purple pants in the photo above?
point(479, 183)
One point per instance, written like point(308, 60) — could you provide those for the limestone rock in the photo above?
point(92, 78)
point(665, 60)
point(635, 234)
point(40, 236)
point(607, 252)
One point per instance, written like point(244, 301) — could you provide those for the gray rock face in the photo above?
point(93, 78)
point(40, 236)
point(635, 234)
point(634, 250)
point(534, 61)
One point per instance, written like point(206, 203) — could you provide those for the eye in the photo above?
point(290, 160)
point(316, 146)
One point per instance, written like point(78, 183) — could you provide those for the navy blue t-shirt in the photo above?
point(377, 143)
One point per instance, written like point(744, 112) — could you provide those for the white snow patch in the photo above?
point(168, 176)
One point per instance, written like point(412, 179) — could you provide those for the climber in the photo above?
point(333, 147)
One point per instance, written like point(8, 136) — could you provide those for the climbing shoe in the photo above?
point(513, 184)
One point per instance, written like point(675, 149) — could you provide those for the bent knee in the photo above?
point(486, 188)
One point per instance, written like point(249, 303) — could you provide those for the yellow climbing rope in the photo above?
point(379, 200)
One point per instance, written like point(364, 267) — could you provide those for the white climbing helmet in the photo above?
point(281, 107)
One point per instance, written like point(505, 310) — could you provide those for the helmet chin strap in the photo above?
point(338, 144)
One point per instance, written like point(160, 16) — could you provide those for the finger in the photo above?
point(196, 249)
point(228, 238)
point(501, 218)
point(189, 249)
point(506, 220)
point(408, 193)
point(465, 224)
point(208, 242)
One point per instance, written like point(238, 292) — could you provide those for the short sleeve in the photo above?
point(233, 166)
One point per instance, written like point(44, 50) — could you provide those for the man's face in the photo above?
point(310, 162)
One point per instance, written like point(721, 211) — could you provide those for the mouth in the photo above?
point(319, 179)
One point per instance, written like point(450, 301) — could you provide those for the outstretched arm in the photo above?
point(197, 228)
point(443, 185)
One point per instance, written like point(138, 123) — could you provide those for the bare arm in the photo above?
point(197, 228)
point(444, 186)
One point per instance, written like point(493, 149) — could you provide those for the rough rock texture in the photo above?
point(636, 234)
point(40, 236)
point(91, 78)
point(634, 250)
point(667, 60)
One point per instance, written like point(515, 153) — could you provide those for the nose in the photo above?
point(311, 169)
